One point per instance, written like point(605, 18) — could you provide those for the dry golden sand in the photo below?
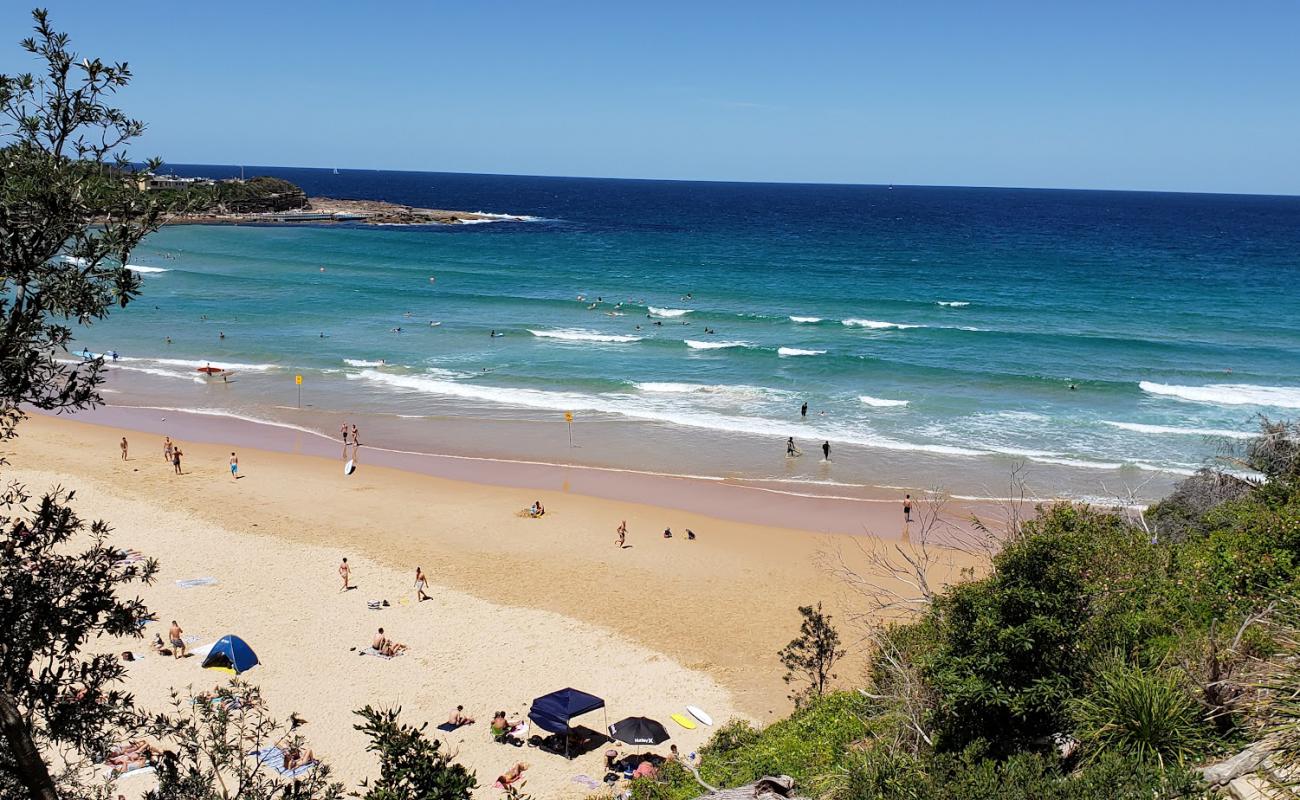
point(520, 606)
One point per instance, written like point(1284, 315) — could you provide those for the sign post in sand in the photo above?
point(298, 380)
point(568, 419)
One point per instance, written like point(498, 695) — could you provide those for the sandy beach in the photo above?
point(520, 606)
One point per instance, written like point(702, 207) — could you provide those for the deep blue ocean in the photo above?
point(938, 335)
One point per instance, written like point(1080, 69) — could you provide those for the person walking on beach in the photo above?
point(420, 583)
point(345, 572)
point(622, 534)
point(234, 466)
point(167, 449)
point(803, 410)
point(356, 437)
point(176, 459)
point(907, 508)
point(826, 451)
point(177, 637)
point(123, 446)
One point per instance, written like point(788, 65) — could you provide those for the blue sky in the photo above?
point(1182, 96)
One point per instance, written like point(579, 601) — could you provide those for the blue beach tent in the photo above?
point(231, 654)
point(552, 712)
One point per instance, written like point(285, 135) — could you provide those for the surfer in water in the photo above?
point(790, 450)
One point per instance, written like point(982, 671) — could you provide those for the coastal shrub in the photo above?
point(810, 742)
point(1148, 715)
point(411, 766)
point(810, 657)
point(881, 774)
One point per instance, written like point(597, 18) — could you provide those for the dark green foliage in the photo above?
point(71, 211)
point(411, 767)
point(1146, 715)
point(58, 590)
point(811, 655)
point(261, 193)
point(880, 774)
point(211, 743)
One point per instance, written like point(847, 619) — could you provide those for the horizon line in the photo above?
point(748, 182)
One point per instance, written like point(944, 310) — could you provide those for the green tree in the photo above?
point(225, 745)
point(71, 211)
point(411, 767)
point(59, 588)
point(811, 655)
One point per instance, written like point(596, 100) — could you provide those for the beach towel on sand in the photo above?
point(273, 757)
point(370, 651)
point(191, 583)
point(449, 727)
point(109, 772)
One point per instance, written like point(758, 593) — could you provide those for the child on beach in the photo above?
point(234, 466)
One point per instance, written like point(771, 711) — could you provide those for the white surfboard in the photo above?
point(699, 714)
point(349, 467)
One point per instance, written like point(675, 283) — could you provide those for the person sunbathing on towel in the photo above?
point(459, 718)
point(295, 757)
point(510, 776)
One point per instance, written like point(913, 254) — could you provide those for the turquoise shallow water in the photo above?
point(934, 333)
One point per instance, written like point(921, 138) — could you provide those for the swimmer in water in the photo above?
point(221, 334)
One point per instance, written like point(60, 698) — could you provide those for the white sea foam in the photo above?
point(1138, 427)
point(575, 335)
point(695, 345)
point(163, 373)
point(807, 320)
point(795, 351)
point(1229, 394)
point(144, 269)
point(231, 365)
point(880, 402)
point(668, 313)
point(876, 324)
point(738, 392)
point(631, 405)
point(954, 303)
point(361, 362)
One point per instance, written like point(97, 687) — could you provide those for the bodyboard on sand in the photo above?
point(699, 714)
point(349, 467)
point(684, 721)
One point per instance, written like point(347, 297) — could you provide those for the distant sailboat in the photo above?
point(336, 170)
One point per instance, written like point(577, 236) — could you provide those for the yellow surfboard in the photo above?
point(685, 721)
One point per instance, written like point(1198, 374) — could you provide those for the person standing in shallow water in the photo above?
point(803, 410)
point(907, 508)
point(826, 450)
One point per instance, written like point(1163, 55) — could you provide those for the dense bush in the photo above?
point(1147, 715)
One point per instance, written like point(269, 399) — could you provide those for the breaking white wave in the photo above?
point(876, 324)
point(482, 217)
point(230, 365)
point(723, 391)
point(794, 351)
point(361, 362)
point(144, 269)
point(694, 345)
point(163, 373)
point(954, 303)
point(880, 402)
point(1228, 394)
point(576, 335)
point(1138, 427)
point(808, 320)
point(668, 313)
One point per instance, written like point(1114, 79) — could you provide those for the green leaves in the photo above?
point(812, 654)
point(411, 766)
point(1147, 715)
